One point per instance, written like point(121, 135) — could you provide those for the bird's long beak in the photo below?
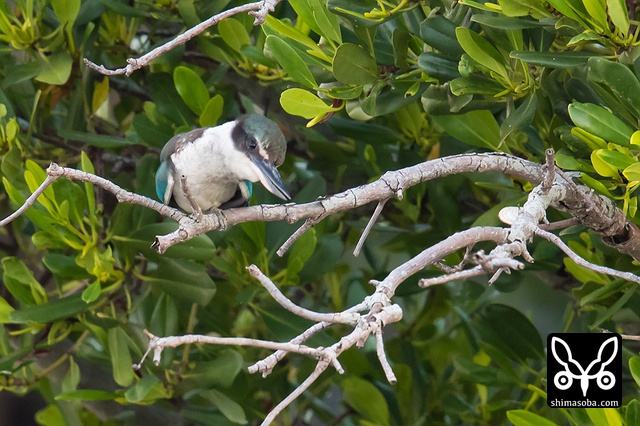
point(270, 178)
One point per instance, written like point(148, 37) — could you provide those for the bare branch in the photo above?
point(367, 229)
point(308, 224)
point(335, 318)
point(320, 368)
point(585, 263)
point(460, 275)
point(29, 201)
point(158, 344)
point(382, 356)
point(438, 251)
point(258, 9)
point(550, 167)
point(266, 365)
point(561, 224)
point(195, 208)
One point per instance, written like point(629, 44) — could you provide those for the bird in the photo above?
point(212, 168)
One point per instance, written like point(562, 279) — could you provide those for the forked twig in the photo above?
point(258, 9)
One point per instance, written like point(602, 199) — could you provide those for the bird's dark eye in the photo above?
point(252, 144)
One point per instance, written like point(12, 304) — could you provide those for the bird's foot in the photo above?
point(222, 219)
point(196, 214)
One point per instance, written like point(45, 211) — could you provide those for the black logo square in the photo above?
point(584, 370)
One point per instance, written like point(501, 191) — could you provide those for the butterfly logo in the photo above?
point(564, 379)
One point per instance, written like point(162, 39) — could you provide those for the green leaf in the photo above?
point(301, 251)
point(228, 407)
point(634, 367)
point(146, 391)
point(600, 122)
point(100, 94)
point(527, 418)
point(520, 118)
point(50, 416)
point(619, 15)
point(366, 399)
point(87, 395)
point(54, 310)
point(510, 331)
point(568, 9)
point(5, 311)
point(183, 280)
point(168, 100)
point(632, 173)
point(222, 371)
point(481, 51)
point(71, 378)
point(20, 282)
point(596, 11)
point(619, 79)
point(99, 141)
point(475, 85)
point(633, 411)
point(440, 33)
point(56, 69)
point(476, 128)
point(291, 62)
point(92, 292)
point(121, 362)
point(438, 66)
point(615, 158)
point(315, 14)
point(212, 111)
point(553, 59)
point(154, 134)
point(352, 64)
point(123, 8)
point(66, 10)
point(87, 166)
point(327, 22)
point(164, 318)
point(234, 33)
point(303, 103)
point(604, 416)
point(191, 88)
point(282, 29)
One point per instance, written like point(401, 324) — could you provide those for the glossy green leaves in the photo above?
point(354, 65)
point(483, 52)
point(600, 122)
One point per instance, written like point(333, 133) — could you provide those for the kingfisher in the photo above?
point(218, 165)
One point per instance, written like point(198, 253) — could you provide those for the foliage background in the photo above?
point(400, 82)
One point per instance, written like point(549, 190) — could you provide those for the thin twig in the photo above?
point(258, 9)
point(157, 344)
point(320, 368)
point(308, 224)
point(382, 357)
point(583, 262)
point(460, 275)
point(335, 318)
point(29, 201)
point(265, 366)
point(367, 229)
point(549, 176)
point(560, 224)
point(195, 208)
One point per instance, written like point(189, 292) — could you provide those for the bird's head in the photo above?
point(262, 141)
